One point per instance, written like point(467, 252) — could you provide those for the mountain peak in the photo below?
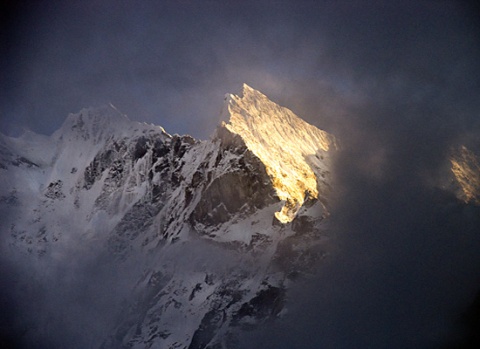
point(190, 222)
point(246, 89)
point(289, 147)
point(105, 115)
point(96, 124)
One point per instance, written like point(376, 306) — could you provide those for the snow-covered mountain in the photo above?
point(191, 241)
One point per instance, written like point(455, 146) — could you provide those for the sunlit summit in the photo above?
point(294, 152)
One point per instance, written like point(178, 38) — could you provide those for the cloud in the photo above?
point(171, 64)
point(397, 84)
point(405, 264)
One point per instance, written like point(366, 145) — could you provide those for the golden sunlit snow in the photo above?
point(466, 168)
point(292, 150)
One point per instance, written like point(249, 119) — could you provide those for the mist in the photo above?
point(405, 267)
point(81, 296)
point(398, 85)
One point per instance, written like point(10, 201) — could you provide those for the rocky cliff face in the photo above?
point(204, 237)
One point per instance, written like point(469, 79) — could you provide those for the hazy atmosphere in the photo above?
point(398, 85)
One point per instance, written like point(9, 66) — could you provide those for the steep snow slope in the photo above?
point(292, 150)
point(185, 230)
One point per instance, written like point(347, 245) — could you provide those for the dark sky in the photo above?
point(171, 62)
point(398, 84)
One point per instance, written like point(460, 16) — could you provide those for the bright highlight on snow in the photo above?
point(292, 150)
point(183, 228)
point(466, 168)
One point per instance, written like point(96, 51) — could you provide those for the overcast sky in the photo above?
point(398, 84)
point(171, 62)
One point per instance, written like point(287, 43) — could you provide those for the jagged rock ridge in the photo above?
point(140, 197)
